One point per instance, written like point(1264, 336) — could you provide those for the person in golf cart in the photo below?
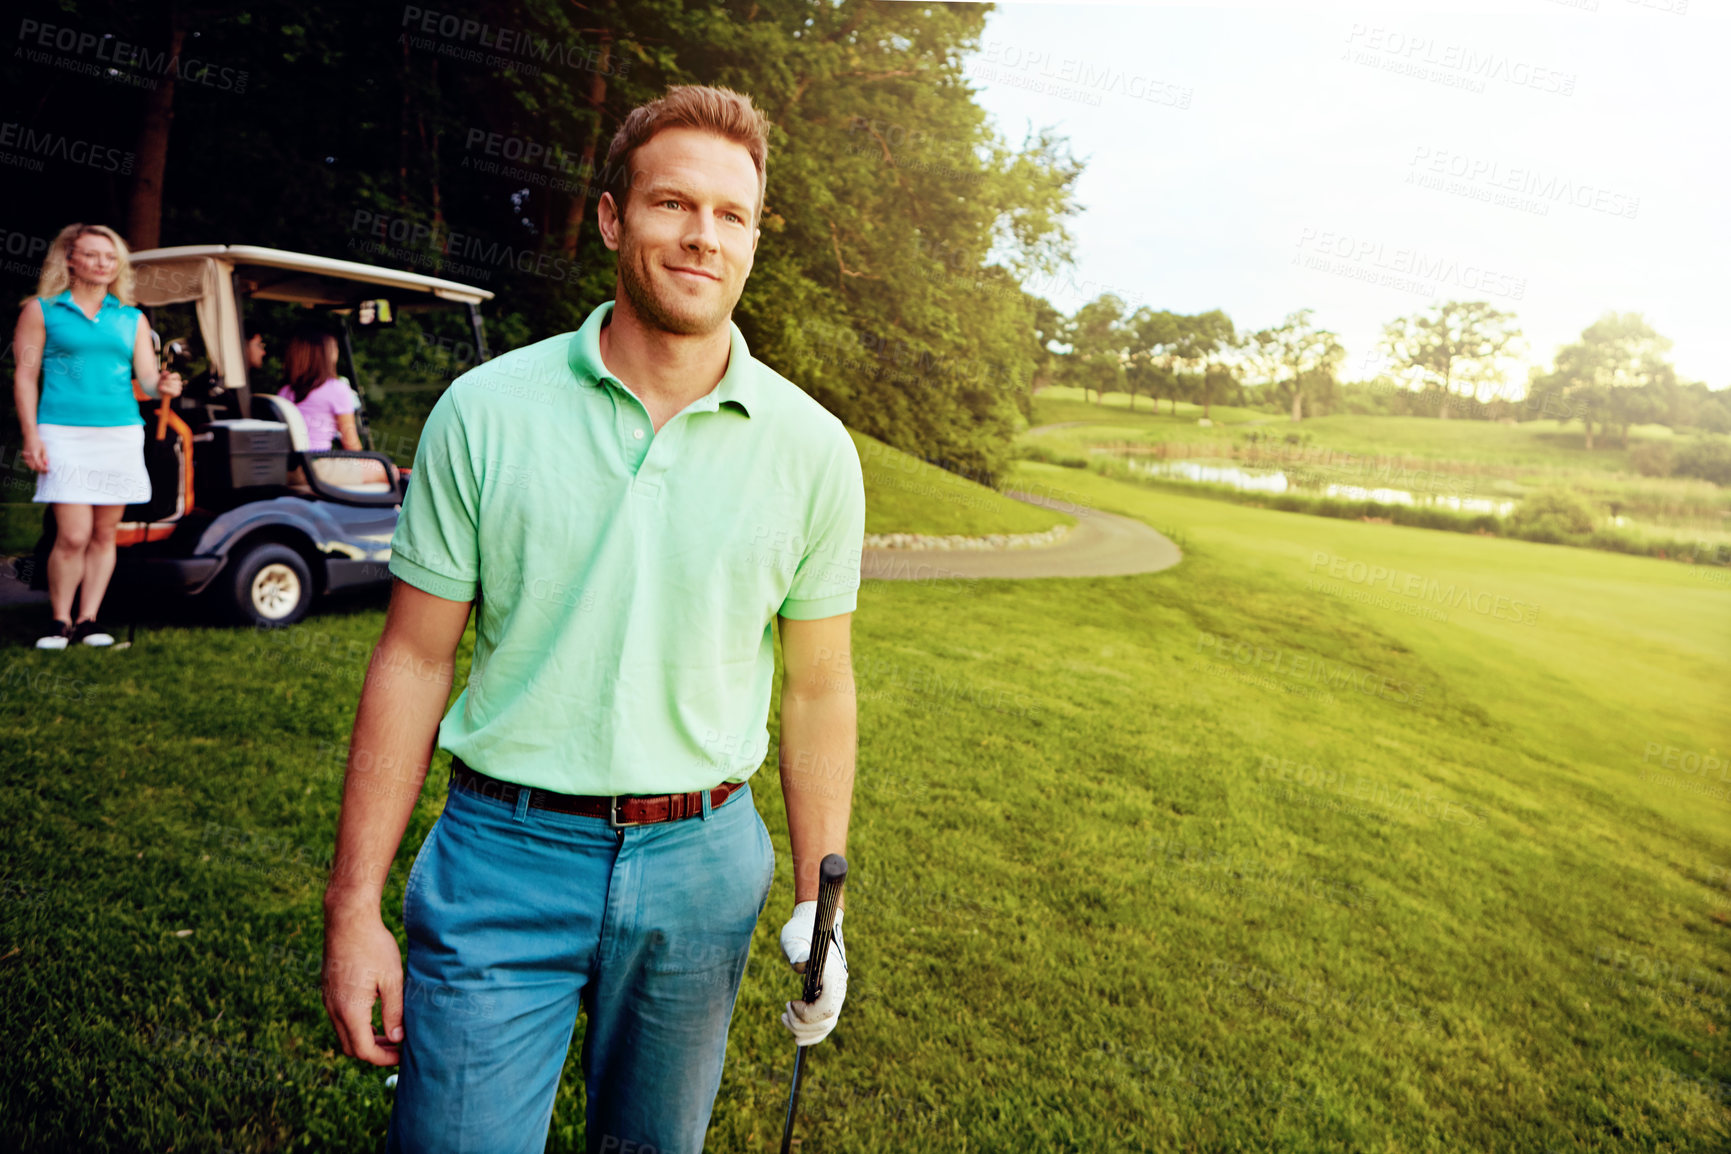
point(326, 402)
point(255, 347)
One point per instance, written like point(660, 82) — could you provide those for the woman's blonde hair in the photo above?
point(56, 275)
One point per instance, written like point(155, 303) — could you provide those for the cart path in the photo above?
point(1038, 429)
point(1100, 545)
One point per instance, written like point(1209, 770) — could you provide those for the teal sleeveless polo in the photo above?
point(87, 364)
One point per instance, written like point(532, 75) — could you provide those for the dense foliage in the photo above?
point(897, 223)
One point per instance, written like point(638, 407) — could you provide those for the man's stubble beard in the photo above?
point(639, 287)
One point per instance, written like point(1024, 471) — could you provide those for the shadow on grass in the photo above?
point(128, 615)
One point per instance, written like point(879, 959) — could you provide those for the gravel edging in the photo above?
point(992, 541)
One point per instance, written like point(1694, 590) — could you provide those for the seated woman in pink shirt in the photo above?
point(326, 403)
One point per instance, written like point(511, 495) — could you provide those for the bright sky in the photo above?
point(1557, 159)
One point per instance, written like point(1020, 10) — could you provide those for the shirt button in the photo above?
point(637, 434)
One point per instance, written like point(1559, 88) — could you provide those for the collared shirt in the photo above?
point(87, 363)
point(627, 577)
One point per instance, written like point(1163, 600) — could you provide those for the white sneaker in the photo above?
point(91, 634)
point(56, 640)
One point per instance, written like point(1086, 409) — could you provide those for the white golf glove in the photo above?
point(811, 1022)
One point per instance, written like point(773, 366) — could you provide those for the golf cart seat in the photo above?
point(356, 477)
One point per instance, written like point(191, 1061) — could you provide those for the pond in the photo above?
point(1278, 481)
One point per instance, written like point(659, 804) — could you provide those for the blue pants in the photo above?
point(515, 916)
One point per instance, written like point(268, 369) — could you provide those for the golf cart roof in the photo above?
point(315, 280)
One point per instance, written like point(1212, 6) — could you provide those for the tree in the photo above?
point(1096, 336)
point(1048, 330)
point(1208, 336)
point(1615, 376)
point(1303, 357)
point(1158, 342)
point(1454, 341)
point(1218, 383)
point(144, 206)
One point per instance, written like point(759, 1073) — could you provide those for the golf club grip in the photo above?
point(832, 874)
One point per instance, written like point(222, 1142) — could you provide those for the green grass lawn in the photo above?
point(1065, 403)
point(1218, 858)
point(906, 495)
point(1470, 458)
point(20, 526)
point(1545, 444)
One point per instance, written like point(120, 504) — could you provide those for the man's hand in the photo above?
point(811, 1022)
point(362, 966)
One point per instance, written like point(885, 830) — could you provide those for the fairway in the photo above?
point(1214, 858)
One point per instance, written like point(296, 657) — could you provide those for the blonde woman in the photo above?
point(84, 340)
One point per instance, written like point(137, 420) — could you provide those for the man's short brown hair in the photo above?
point(722, 111)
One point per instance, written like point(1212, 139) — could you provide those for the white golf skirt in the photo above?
point(93, 465)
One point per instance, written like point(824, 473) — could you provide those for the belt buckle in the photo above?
point(613, 821)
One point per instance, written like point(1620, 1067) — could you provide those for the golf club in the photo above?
point(832, 872)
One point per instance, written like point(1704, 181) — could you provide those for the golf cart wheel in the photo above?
point(271, 585)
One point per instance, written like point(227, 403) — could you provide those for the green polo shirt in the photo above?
point(627, 578)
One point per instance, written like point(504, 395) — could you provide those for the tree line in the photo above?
point(1450, 360)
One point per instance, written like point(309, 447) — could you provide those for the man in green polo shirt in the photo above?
point(628, 508)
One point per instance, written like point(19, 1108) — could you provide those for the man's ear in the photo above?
point(607, 215)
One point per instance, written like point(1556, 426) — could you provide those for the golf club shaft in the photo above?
point(832, 873)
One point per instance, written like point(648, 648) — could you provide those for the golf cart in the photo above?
point(242, 507)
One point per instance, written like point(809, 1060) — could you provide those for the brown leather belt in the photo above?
point(620, 810)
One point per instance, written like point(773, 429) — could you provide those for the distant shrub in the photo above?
point(1709, 460)
point(1554, 515)
point(1651, 458)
